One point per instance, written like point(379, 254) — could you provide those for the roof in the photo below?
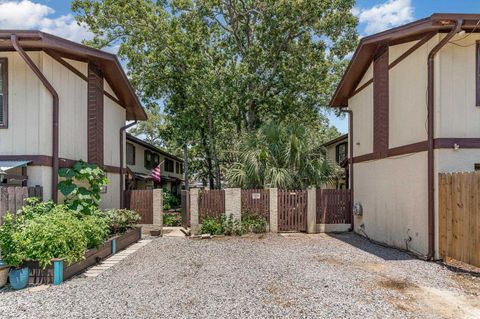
point(107, 62)
point(367, 48)
point(336, 140)
point(134, 139)
point(7, 165)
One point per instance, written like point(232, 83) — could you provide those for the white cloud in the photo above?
point(385, 16)
point(28, 15)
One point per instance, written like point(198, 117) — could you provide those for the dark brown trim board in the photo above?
point(453, 142)
point(380, 103)
point(4, 75)
point(477, 73)
point(95, 115)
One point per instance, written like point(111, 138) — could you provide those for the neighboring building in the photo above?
point(337, 152)
point(142, 157)
point(414, 94)
point(60, 102)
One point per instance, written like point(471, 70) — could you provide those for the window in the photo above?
point(341, 152)
point(168, 165)
point(148, 159)
point(3, 93)
point(181, 168)
point(156, 160)
point(130, 154)
point(177, 167)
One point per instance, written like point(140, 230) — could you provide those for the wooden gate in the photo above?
point(459, 217)
point(211, 203)
point(140, 201)
point(292, 210)
point(185, 207)
point(256, 202)
point(334, 206)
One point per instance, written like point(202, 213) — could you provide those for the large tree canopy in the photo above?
point(223, 67)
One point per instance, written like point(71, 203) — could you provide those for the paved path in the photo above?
point(298, 276)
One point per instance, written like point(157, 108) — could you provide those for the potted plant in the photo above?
point(4, 268)
point(13, 248)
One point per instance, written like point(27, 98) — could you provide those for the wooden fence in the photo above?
point(140, 201)
point(333, 206)
point(256, 202)
point(459, 217)
point(211, 203)
point(292, 210)
point(12, 198)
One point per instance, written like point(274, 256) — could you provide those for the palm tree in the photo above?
point(283, 156)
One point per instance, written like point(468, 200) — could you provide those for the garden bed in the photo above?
point(92, 257)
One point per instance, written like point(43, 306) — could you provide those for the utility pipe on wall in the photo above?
point(430, 135)
point(55, 113)
point(122, 177)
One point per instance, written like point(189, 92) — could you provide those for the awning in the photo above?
point(8, 165)
point(143, 177)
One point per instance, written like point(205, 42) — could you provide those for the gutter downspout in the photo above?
point(430, 136)
point(350, 161)
point(55, 113)
point(122, 131)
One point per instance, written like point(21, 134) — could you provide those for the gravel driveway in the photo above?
point(295, 276)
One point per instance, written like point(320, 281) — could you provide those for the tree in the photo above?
point(224, 67)
point(283, 156)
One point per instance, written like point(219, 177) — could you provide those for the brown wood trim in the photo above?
point(407, 149)
point(477, 73)
point(380, 102)
point(365, 157)
point(60, 60)
point(402, 57)
point(45, 160)
point(95, 106)
point(4, 75)
point(461, 142)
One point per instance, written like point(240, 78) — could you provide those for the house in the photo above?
point(413, 98)
point(337, 152)
point(142, 157)
point(61, 102)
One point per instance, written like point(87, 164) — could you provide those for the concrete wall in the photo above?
point(393, 194)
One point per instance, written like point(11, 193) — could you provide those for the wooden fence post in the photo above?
point(274, 210)
point(158, 208)
point(233, 203)
point(311, 211)
point(194, 211)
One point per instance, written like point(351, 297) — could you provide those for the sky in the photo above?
point(54, 16)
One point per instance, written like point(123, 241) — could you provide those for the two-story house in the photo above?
point(413, 97)
point(143, 157)
point(61, 102)
point(337, 152)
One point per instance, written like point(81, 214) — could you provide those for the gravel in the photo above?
point(295, 276)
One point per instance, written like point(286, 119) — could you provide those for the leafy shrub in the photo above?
point(253, 223)
point(212, 226)
point(81, 198)
point(121, 220)
point(13, 242)
point(34, 208)
point(58, 234)
point(172, 220)
point(232, 226)
point(96, 229)
point(170, 200)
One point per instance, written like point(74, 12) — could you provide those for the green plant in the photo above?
point(232, 226)
point(121, 220)
point(96, 229)
point(13, 242)
point(253, 223)
point(172, 219)
point(58, 234)
point(81, 186)
point(170, 200)
point(212, 226)
point(34, 207)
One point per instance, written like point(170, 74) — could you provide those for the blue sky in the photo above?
point(54, 16)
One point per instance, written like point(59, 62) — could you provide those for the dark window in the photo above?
point(130, 154)
point(168, 165)
point(156, 160)
point(148, 159)
point(3, 93)
point(181, 168)
point(341, 152)
point(177, 167)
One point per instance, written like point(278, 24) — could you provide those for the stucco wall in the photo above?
point(456, 113)
point(111, 199)
point(393, 194)
point(114, 118)
point(362, 106)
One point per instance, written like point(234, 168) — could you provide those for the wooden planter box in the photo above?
point(92, 257)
